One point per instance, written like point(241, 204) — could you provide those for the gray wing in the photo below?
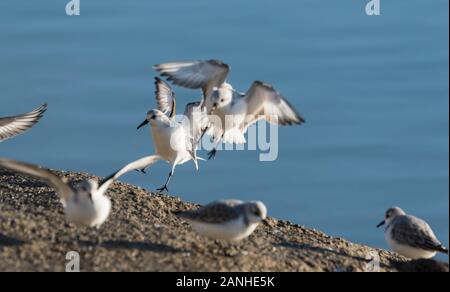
point(165, 97)
point(135, 165)
point(214, 213)
point(264, 101)
point(197, 123)
point(64, 190)
point(205, 75)
point(16, 125)
point(415, 232)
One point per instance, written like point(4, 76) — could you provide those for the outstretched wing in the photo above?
point(196, 74)
point(165, 97)
point(13, 126)
point(135, 165)
point(64, 190)
point(264, 101)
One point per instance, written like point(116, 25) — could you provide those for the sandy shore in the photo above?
point(143, 235)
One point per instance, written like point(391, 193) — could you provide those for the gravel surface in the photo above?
point(143, 235)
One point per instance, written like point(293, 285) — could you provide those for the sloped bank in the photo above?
point(143, 235)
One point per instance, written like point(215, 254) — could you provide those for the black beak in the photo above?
point(381, 224)
point(143, 124)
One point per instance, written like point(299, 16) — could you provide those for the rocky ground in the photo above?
point(143, 235)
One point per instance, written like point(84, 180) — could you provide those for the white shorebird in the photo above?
point(16, 125)
point(85, 205)
point(410, 236)
point(235, 111)
point(174, 142)
point(228, 220)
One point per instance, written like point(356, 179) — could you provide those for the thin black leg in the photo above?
point(142, 171)
point(164, 188)
point(212, 154)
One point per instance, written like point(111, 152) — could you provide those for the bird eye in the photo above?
point(153, 117)
point(222, 100)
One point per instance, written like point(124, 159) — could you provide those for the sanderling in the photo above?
point(86, 204)
point(228, 220)
point(16, 125)
point(410, 236)
point(235, 111)
point(174, 142)
point(195, 118)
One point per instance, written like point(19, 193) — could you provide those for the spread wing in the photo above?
point(264, 101)
point(64, 190)
point(205, 75)
point(135, 165)
point(13, 126)
point(165, 97)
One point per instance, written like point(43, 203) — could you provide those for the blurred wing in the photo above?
point(264, 101)
point(64, 190)
point(415, 233)
point(197, 123)
point(165, 97)
point(195, 75)
point(135, 165)
point(13, 126)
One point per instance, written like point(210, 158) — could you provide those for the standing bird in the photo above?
point(410, 236)
point(235, 111)
point(229, 220)
point(16, 125)
point(85, 205)
point(174, 142)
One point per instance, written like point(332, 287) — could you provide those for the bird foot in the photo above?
point(164, 188)
point(141, 171)
point(212, 155)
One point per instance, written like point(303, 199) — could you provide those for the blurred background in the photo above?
point(374, 92)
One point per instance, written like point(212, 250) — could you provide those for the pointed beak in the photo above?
point(143, 124)
point(381, 224)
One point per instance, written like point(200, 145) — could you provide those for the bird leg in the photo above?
point(164, 188)
point(212, 154)
point(143, 171)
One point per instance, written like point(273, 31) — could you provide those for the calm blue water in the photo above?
point(374, 91)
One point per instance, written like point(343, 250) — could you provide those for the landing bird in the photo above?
point(228, 220)
point(16, 125)
point(174, 142)
point(410, 236)
point(86, 204)
point(235, 111)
